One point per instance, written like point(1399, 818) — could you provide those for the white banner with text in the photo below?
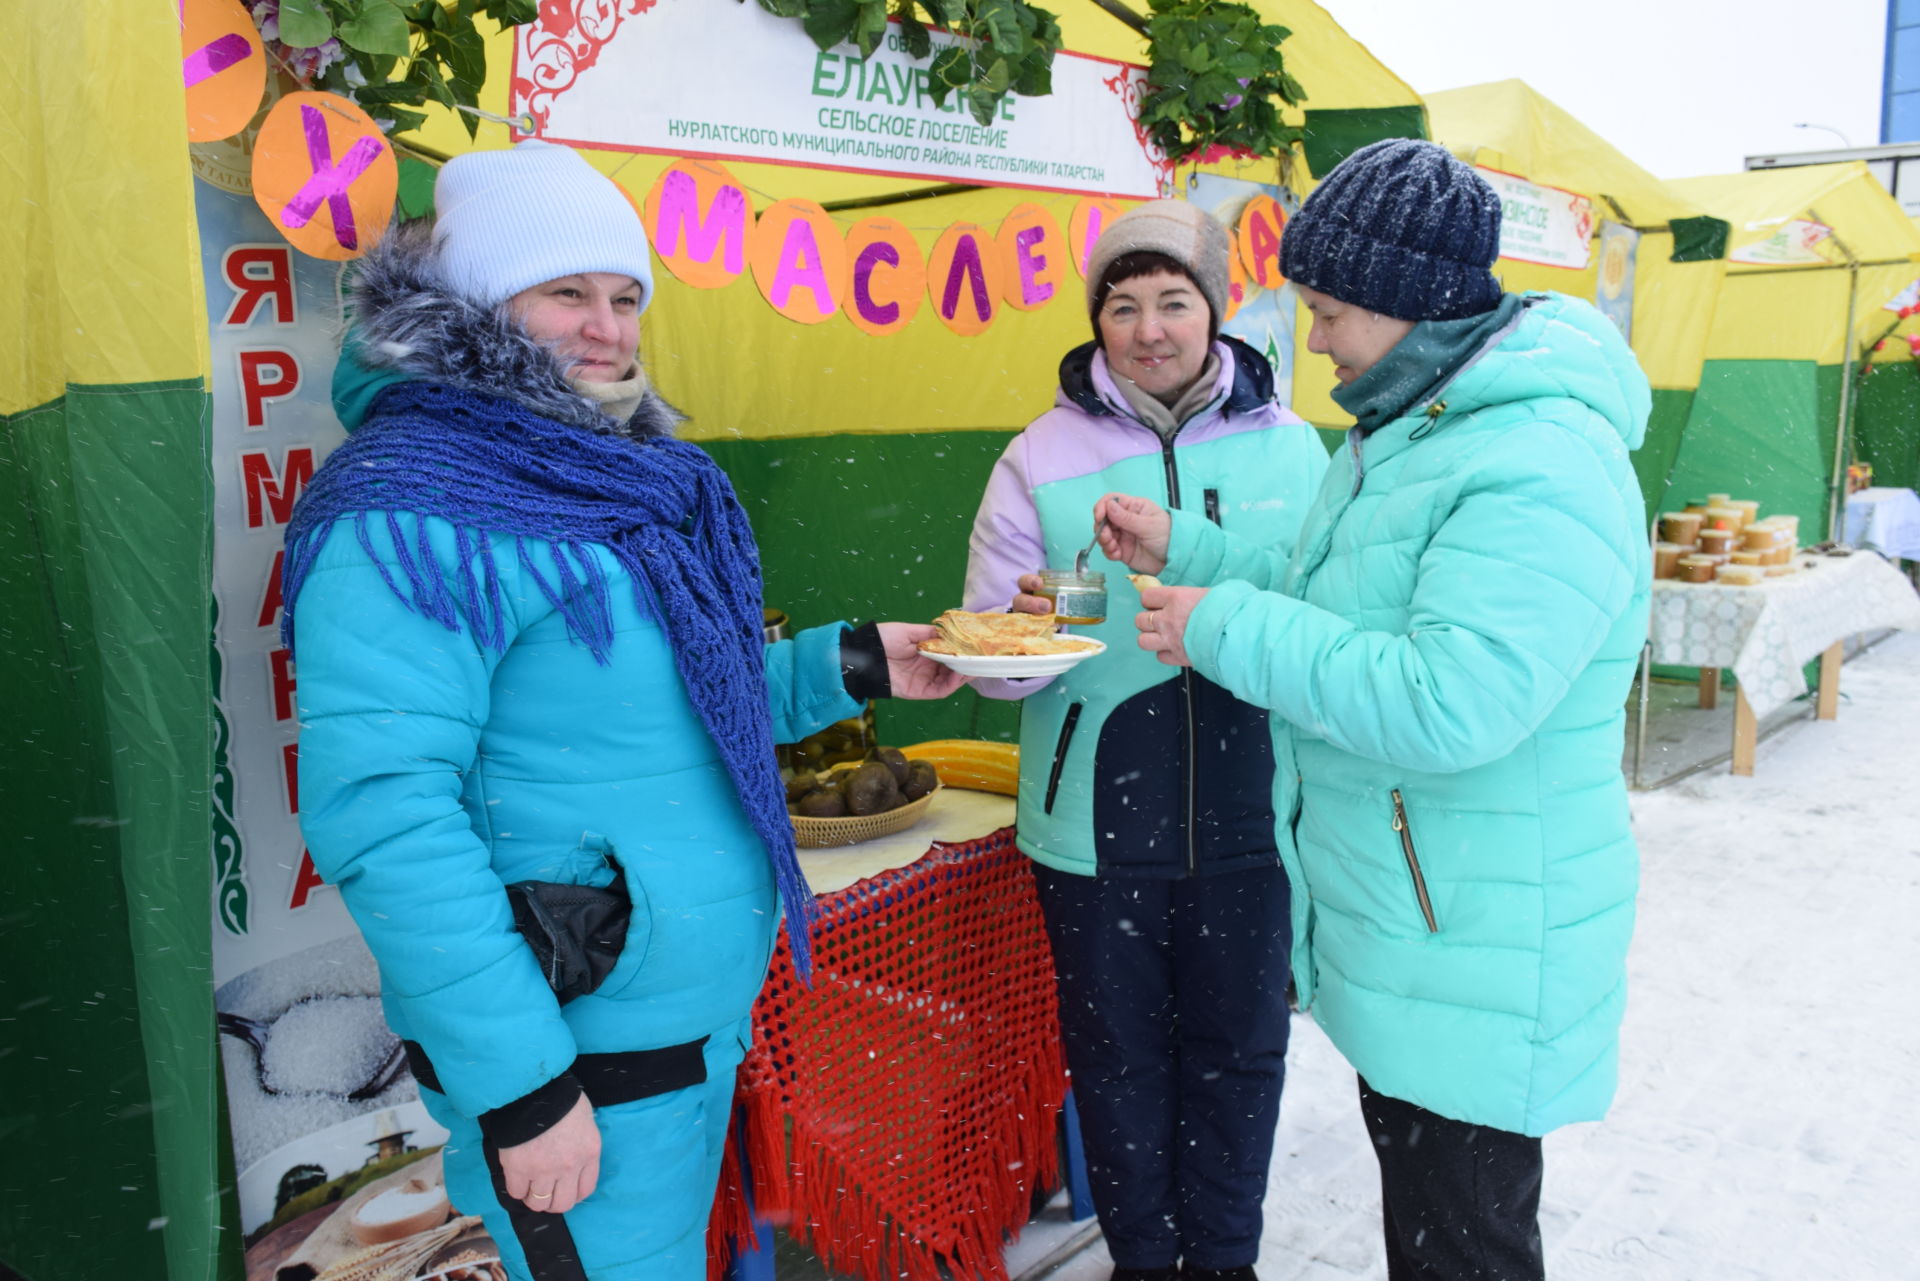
point(719, 79)
point(1543, 225)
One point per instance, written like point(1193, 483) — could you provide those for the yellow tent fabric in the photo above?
point(1508, 126)
point(742, 371)
point(99, 256)
point(1798, 312)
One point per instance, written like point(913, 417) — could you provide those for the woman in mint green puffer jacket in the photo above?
point(1448, 655)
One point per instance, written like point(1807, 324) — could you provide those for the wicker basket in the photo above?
point(827, 833)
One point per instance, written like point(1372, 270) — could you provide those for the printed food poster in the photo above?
point(1261, 316)
point(338, 1162)
point(1613, 284)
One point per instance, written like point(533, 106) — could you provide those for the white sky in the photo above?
point(1683, 87)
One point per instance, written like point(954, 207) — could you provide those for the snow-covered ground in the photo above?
point(1766, 1125)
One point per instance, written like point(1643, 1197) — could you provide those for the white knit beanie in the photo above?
point(508, 220)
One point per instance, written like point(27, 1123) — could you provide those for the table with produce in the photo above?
point(898, 1112)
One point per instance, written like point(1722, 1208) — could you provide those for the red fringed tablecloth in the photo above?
point(900, 1112)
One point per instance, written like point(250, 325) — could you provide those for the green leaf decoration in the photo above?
point(304, 24)
point(951, 69)
point(426, 74)
point(982, 103)
point(999, 24)
point(1216, 69)
point(509, 13)
point(467, 56)
point(1034, 79)
point(830, 21)
point(444, 55)
point(871, 27)
point(1012, 48)
point(912, 33)
point(379, 27)
point(405, 121)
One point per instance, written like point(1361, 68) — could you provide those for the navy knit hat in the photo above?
point(1402, 228)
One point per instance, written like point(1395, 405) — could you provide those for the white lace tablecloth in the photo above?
point(1766, 634)
point(956, 815)
point(1887, 520)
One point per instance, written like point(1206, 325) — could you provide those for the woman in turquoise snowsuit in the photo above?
point(1446, 654)
point(527, 623)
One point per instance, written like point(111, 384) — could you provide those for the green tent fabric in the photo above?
point(1702, 239)
point(1333, 135)
point(106, 496)
point(1726, 449)
point(1886, 423)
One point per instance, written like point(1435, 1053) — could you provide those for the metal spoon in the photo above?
point(1080, 561)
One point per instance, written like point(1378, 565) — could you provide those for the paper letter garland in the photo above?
point(699, 220)
point(964, 279)
point(1090, 218)
point(325, 175)
point(889, 276)
point(224, 67)
point(1034, 256)
point(799, 260)
point(1261, 225)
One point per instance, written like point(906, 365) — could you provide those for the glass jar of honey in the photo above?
point(1077, 598)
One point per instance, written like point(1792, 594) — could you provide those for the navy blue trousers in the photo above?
point(1174, 1012)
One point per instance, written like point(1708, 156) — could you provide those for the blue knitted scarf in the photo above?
point(662, 507)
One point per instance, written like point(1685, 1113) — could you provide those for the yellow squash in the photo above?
point(971, 763)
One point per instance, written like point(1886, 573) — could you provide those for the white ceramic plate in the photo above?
point(1017, 666)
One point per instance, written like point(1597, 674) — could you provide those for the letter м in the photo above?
point(679, 217)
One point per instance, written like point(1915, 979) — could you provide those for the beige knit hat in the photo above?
point(1183, 232)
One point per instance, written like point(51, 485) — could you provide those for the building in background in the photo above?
point(1900, 91)
point(1896, 165)
point(1896, 161)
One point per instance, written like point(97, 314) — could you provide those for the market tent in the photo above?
point(1816, 252)
point(107, 1064)
point(861, 460)
point(1509, 127)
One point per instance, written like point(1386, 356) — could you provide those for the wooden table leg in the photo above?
point(1746, 734)
point(1828, 706)
point(1709, 688)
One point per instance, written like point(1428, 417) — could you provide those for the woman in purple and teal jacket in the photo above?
point(1146, 794)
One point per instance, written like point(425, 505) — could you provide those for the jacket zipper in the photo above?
point(1213, 505)
point(1413, 861)
point(1186, 688)
point(1060, 754)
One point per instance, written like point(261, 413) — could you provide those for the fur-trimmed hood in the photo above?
point(407, 325)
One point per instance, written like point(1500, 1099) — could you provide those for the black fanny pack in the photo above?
point(576, 931)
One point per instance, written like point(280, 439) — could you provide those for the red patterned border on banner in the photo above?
point(551, 52)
